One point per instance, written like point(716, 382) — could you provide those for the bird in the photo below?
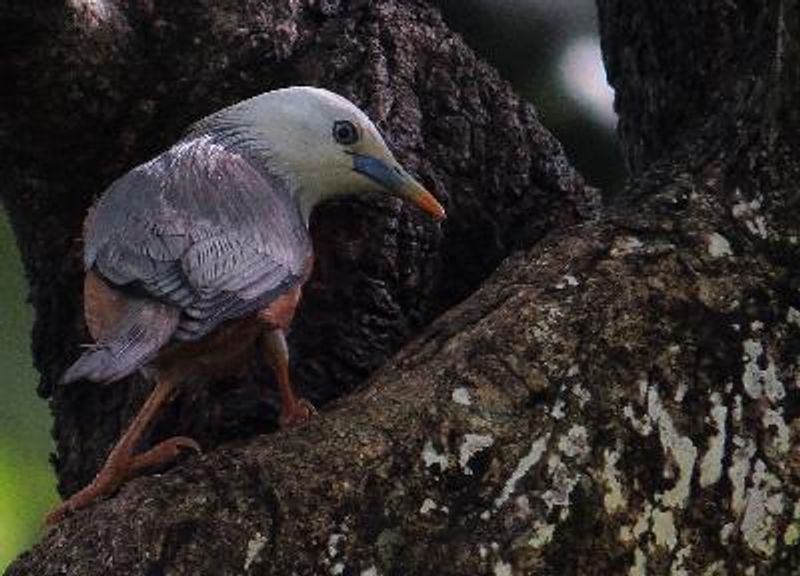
point(195, 260)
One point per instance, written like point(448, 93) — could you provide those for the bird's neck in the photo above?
point(261, 157)
point(307, 199)
point(258, 152)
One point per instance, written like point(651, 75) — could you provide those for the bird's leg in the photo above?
point(294, 410)
point(122, 464)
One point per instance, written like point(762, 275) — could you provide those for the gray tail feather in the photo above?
point(144, 329)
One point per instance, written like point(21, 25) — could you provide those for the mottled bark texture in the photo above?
point(620, 398)
point(95, 87)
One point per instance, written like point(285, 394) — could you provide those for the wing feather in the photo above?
point(202, 228)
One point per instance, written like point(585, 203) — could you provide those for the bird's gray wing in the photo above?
point(203, 228)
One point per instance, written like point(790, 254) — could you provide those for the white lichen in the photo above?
point(644, 388)
point(96, 14)
point(791, 535)
point(680, 448)
point(432, 458)
point(726, 532)
point(677, 568)
point(656, 521)
point(629, 534)
point(716, 569)
point(718, 246)
point(569, 280)
point(558, 409)
point(642, 425)
point(793, 316)
point(254, 548)
point(625, 246)
point(502, 569)
point(614, 499)
point(562, 485)
point(542, 534)
point(664, 529)
point(764, 503)
point(523, 506)
point(711, 464)
point(461, 396)
point(743, 451)
point(737, 409)
point(371, 571)
point(527, 462)
point(582, 394)
point(472, 444)
point(575, 442)
point(639, 567)
point(642, 524)
point(773, 419)
point(760, 382)
point(757, 226)
point(333, 544)
point(680, 392)
point(754, 222)
point(428, 506)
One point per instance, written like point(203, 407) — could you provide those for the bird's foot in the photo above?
point(297, 412)
point(117, 470)
point(164, 453)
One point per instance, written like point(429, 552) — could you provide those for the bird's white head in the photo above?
point(323, 143)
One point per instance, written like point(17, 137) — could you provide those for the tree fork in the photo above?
point(101, 87)
point(621, 397)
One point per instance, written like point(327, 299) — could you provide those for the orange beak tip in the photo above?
point(428, 204)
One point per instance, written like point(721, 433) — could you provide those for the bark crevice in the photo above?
point(618, 397)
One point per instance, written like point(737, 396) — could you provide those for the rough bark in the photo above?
point(620, 398)
point(101, 86)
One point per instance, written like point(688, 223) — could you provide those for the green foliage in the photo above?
point(525, 40)
point(27, 483)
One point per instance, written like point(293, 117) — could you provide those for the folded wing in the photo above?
point(201, 228)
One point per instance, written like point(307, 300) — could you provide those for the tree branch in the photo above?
point(102, 86)
point(619, 398)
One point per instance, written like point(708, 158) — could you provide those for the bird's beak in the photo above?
point(396, 180)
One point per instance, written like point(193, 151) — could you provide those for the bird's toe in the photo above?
point(299, 412)
point(165, 452)
point(57, 514)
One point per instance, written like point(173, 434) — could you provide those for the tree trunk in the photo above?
point(619, 398)
point(101, 86)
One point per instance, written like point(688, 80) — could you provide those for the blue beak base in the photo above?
point(396, 180)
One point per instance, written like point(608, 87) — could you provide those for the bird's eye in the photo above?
point(345, 132)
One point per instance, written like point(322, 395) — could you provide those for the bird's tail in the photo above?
point(143, 330)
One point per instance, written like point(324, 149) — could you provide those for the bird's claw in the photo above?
point(57, 514)
point(301, 411)
point(164, 453)
point(119, 469)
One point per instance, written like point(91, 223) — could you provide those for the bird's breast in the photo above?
point(103, 306)
point(224, 352)
point(228, 349)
